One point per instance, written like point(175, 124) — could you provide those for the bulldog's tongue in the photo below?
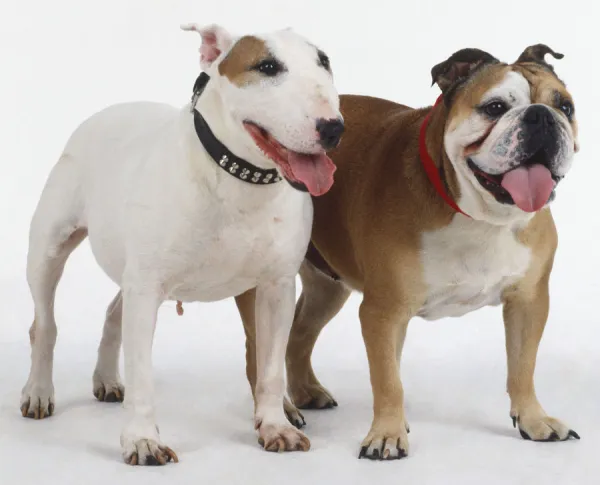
point(314, 171)
point(530, 187)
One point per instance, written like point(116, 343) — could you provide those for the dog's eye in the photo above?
point(269, 67)
point(495, 109)
point(567, 108)
point(324, 61)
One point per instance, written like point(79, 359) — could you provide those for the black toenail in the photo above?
point(151, 460)
point(524, 435)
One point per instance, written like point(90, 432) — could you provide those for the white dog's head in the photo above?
point(279, 88)
point(511, 131)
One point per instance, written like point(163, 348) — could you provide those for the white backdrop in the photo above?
point(62, 60)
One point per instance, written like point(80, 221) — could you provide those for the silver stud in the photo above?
point(244, 173)
point(233, 168)
point(256, 177)
point(277, 179)
point(224, 160)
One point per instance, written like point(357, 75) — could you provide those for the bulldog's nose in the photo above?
point(330, 132)
point(539, 115)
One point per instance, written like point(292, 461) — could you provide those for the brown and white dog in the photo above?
point(499, 141)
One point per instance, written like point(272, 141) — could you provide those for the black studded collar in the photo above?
point(223, 157)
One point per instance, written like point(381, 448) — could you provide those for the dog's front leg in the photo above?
point(384, 325)
point(525, 314)
point(140, 441)
point(246, 303)
point(275, 302)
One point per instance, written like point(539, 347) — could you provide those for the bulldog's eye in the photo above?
point(495, 109)
point(567, 108)
point(269, 67)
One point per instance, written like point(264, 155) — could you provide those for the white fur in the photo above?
point(268, 103)
point(475, 200)
point(165, 222)
point(468, 264)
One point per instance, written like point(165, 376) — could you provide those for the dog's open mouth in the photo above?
point(530, 185)
point(314, 171)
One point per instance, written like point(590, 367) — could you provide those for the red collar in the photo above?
point(429, 165)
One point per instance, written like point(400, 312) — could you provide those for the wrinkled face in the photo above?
point(511, 136)
point(279, 87)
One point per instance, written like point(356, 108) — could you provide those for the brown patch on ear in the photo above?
point(246, 53)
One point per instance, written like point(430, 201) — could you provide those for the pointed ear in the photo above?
point(215, 41)
point(459, 66)
point(536, 53)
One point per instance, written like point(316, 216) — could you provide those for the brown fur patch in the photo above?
point(246, 53)
point(471, 94)
point(546, 88)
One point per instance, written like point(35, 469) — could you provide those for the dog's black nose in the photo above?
point(330, 132)
point(539, 115)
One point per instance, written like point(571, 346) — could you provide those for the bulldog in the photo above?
point(437, 212)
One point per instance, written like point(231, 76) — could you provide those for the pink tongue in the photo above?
point(314, 171)
point(529, 187)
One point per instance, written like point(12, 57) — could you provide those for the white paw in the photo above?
point(108, 390)
point(147, 451)
point(282, 437)
point(37, 400)
point(275, 432)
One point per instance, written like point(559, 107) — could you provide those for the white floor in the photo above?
point(453, 374)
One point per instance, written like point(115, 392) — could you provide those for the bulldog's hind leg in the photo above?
point(108, 386)
point(321, 299)
point(56, 230)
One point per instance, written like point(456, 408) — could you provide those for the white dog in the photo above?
point(191, 205)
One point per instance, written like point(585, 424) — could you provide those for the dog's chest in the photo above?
point(467, 265)
point(229, 250)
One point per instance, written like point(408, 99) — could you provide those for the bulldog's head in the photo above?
point(510, 132)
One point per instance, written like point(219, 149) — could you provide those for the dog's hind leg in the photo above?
point(107, 382)
point(321, 299)
point(56, 230)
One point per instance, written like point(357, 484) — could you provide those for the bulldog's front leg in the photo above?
point(525, 315)
point(384, 326)
point(275, 303)
point(140, 441)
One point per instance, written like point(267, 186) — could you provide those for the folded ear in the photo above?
point(536, 53)
point(215, 41)
point(459, 66)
